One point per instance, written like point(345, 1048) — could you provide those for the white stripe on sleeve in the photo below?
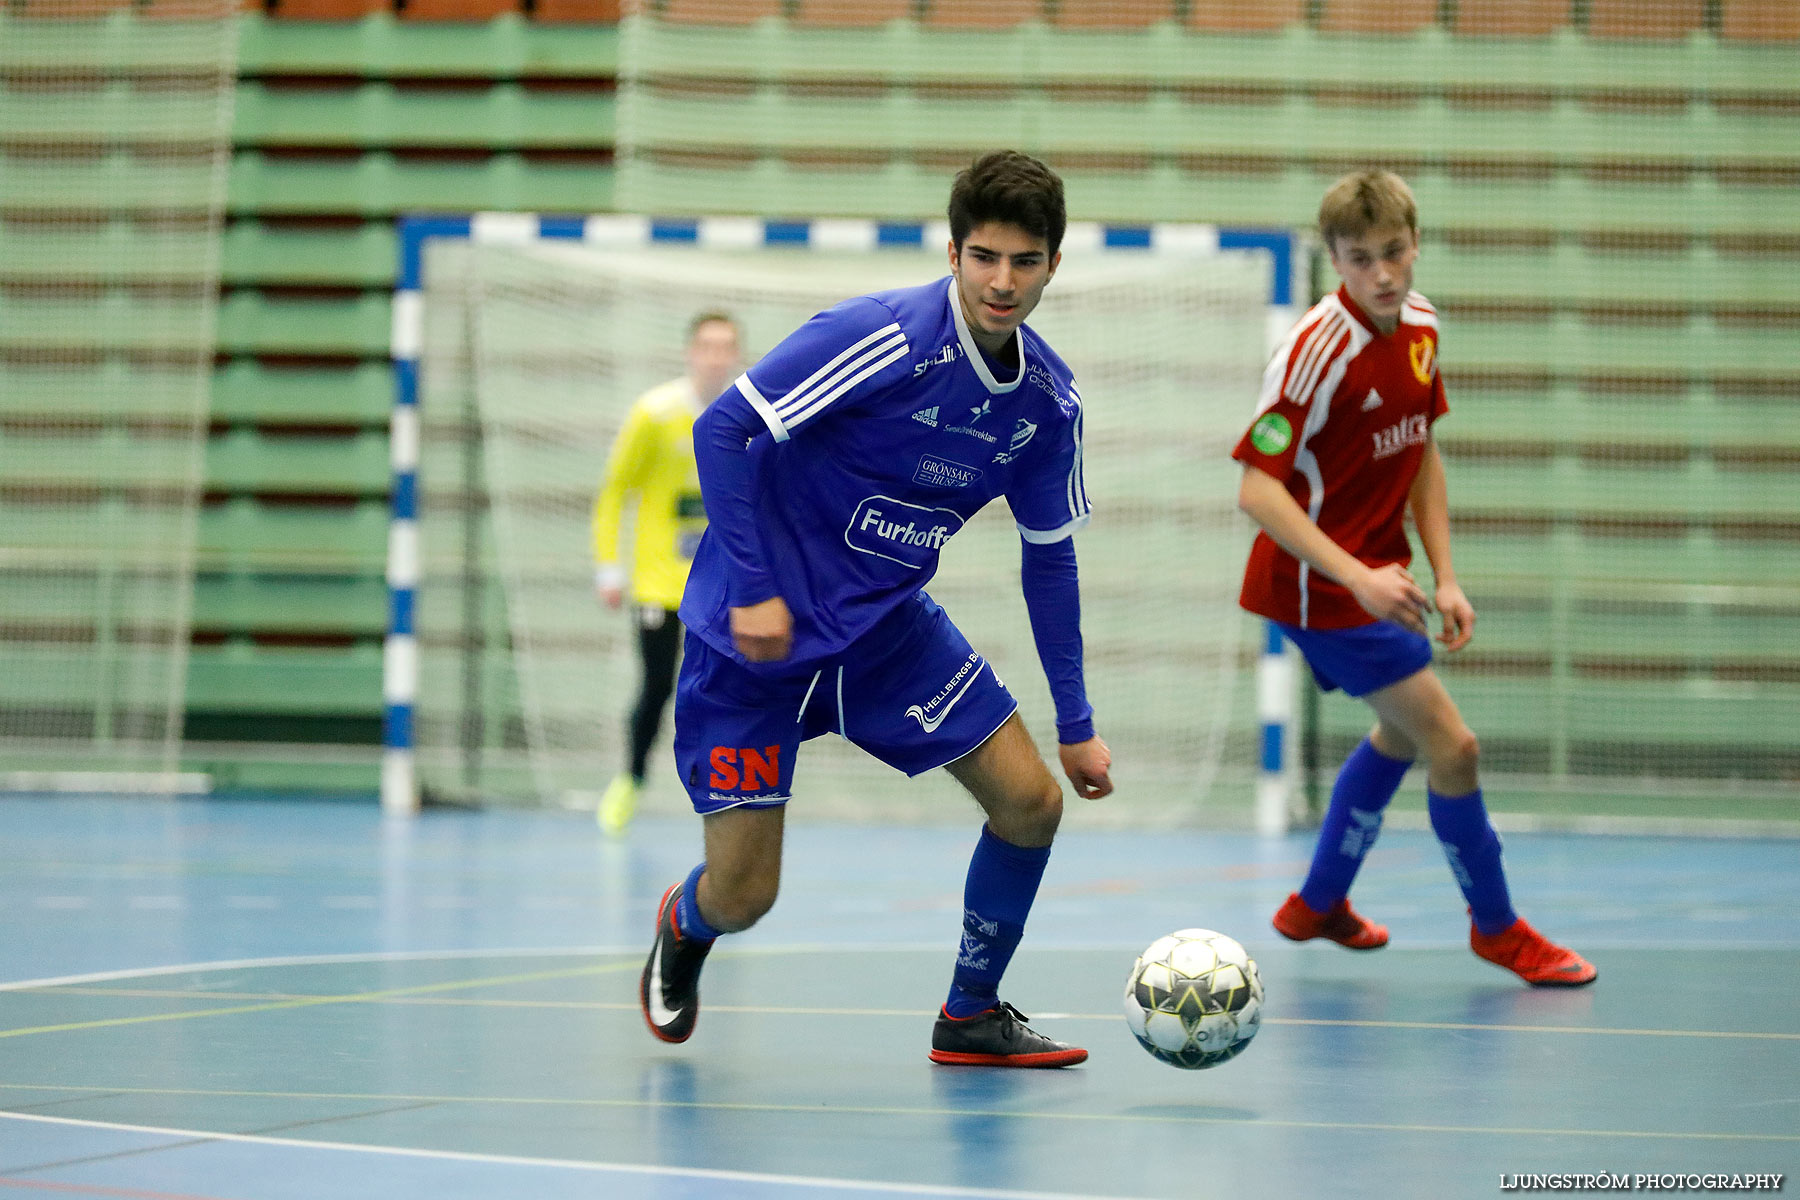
point(847, 377)
point(1328, 342)
point(1044, 537)
point(885, 344)
point(1077, 487)
point(763, 408)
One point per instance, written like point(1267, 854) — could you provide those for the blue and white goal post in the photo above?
point(1288, 272)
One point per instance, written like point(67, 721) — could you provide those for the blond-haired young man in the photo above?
point(1340, 450)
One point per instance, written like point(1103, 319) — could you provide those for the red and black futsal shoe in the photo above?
point(1297, 922)
point(669, 990)
point(997, 1037)
point(1532, 956)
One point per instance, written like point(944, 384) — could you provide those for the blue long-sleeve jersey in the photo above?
point(835, 470)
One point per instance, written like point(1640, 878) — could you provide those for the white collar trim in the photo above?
point(972, 351)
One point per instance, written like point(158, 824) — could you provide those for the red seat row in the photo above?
point(1739, 20)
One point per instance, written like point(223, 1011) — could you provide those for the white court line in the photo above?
point(303, 960)
point(813, 948)
point(508, 1160)
point(744, 951)
point(384, 956)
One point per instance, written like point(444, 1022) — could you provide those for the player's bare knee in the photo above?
point(1041, 814)
point(1026, 816)
point(1465, 751)
point(1455, 762)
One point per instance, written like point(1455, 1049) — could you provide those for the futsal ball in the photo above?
point(1194, 999)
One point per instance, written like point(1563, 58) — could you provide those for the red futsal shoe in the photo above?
point(1343, 925)
point(1532, 956)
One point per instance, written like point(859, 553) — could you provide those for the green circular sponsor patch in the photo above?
point(1272, 434)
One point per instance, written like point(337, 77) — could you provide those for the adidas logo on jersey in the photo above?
point(1372, 401)
point(927, 416)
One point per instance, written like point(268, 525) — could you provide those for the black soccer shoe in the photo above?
point(998, 1037)
point(669, 990)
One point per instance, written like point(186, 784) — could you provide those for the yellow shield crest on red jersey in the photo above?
point(1423, 353)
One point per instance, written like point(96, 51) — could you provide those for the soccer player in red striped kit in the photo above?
point(1339, 451)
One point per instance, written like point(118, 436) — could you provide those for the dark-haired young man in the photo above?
point(833, 472)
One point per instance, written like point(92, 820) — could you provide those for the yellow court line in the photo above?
point(814, 1110)
point(314, 1001)
point(410, 996)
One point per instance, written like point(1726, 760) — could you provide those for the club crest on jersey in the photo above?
point(1020, 436)
point(909, 534)
point(1424, 355)
point(941, 472)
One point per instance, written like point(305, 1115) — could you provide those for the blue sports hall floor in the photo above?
point(237, 1000)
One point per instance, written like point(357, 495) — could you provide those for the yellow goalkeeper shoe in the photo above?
point(617, 806)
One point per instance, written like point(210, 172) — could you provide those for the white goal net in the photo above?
point(115, 124)
point(532, 353)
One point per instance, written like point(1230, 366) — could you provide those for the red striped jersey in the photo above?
point(1344, 418)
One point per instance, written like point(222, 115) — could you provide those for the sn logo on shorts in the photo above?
point(742, 768)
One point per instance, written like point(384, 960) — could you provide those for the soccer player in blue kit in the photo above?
point(833, 472)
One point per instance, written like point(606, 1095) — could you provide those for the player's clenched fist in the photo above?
point(1088, 765)
point(1458, 615)
point(763, 632)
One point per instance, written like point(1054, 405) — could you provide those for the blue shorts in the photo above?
point(911, 692)
point(1362, 659)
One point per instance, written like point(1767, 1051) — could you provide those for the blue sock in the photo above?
point(1002, 883)
point(687, 909)
point(1473, 848)
point(1364, 786)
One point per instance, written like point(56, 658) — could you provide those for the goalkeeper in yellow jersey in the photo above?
point(653, 461)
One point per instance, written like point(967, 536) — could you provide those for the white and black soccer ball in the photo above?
point(1194, 998)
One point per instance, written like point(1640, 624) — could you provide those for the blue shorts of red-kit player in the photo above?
point(1363, 658)
point(911, 692)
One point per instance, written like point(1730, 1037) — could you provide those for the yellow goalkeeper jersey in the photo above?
point(653, 458)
